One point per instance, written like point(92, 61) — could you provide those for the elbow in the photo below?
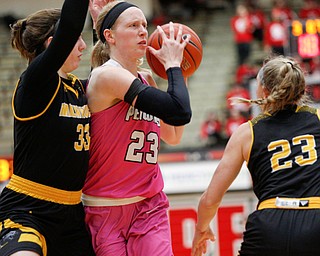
point(179, 119)
point(174, 141)
point(187, 116)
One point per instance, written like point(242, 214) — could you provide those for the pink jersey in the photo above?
point(123, 153)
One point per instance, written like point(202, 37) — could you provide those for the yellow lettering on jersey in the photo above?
point(64, 110)
point(283, 150)
point(69, 110)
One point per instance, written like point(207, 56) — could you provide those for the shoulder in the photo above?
point(307, 109)
point(258, 118)
point(241, 135)
point(146, 74)
point(105, 75)
point(242, 138)
point(238, 146)
point(243, 131)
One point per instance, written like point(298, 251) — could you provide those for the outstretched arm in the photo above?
point(235, 154)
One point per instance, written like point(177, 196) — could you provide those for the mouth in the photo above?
point(143, 42)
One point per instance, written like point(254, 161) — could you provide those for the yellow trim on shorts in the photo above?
point(43, 192)
point(29, 235)
point(291, 203)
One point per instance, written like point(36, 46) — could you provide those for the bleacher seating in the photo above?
point(11, 66)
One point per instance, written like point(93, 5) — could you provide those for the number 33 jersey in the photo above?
point(53, 139)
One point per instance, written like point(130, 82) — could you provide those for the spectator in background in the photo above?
point(258, 18)
point(238, 91)
point(283, 10)
point(159, 14)
point(234, 120)
point(275, 34)
point(211, 130)
point(242, 27)
point(244, 73)
point(309, 10)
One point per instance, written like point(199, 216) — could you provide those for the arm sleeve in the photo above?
point(172, 107)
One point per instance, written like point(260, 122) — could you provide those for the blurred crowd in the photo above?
point(268, 30)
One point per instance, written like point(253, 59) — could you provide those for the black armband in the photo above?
point(135, 88)
point(172, 107)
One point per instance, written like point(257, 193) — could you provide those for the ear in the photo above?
point(108, 36)
point(265, 91)
point(48, 41)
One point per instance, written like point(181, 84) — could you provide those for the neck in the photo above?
point(62, 74)
point(128, 65)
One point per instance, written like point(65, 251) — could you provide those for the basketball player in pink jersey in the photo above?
point(126, 208)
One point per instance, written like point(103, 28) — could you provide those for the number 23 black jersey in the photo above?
point(284, 157)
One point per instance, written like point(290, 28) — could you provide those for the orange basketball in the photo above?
point(192, 54)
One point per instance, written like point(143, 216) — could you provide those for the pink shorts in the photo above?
point(138, 229)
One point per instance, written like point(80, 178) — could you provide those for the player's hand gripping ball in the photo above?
point(192, 54)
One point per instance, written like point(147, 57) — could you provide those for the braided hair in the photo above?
point(284, 80)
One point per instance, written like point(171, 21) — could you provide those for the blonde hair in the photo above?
point(101, 51)
point(285, 82)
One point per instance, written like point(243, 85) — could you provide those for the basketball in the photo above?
point(192, 54)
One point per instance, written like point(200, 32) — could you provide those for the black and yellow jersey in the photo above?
point(284, 158)
point(52, 137)
point(40, 208)
point(51, 116)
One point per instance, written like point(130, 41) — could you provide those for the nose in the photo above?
point(143, 31)
point(82, 44)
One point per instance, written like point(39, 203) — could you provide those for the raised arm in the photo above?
point(69, 28)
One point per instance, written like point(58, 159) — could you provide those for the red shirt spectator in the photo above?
point(275, 36)
point(309, 10)
point(282, 9)
point(238, 91)
point(242, 25)
point(245, 72)
point(234, 121)
point(259, 20)
point(211, 130)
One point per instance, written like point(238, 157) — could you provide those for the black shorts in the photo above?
point(46, 228)
point(13, 240)
point(282, 232)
